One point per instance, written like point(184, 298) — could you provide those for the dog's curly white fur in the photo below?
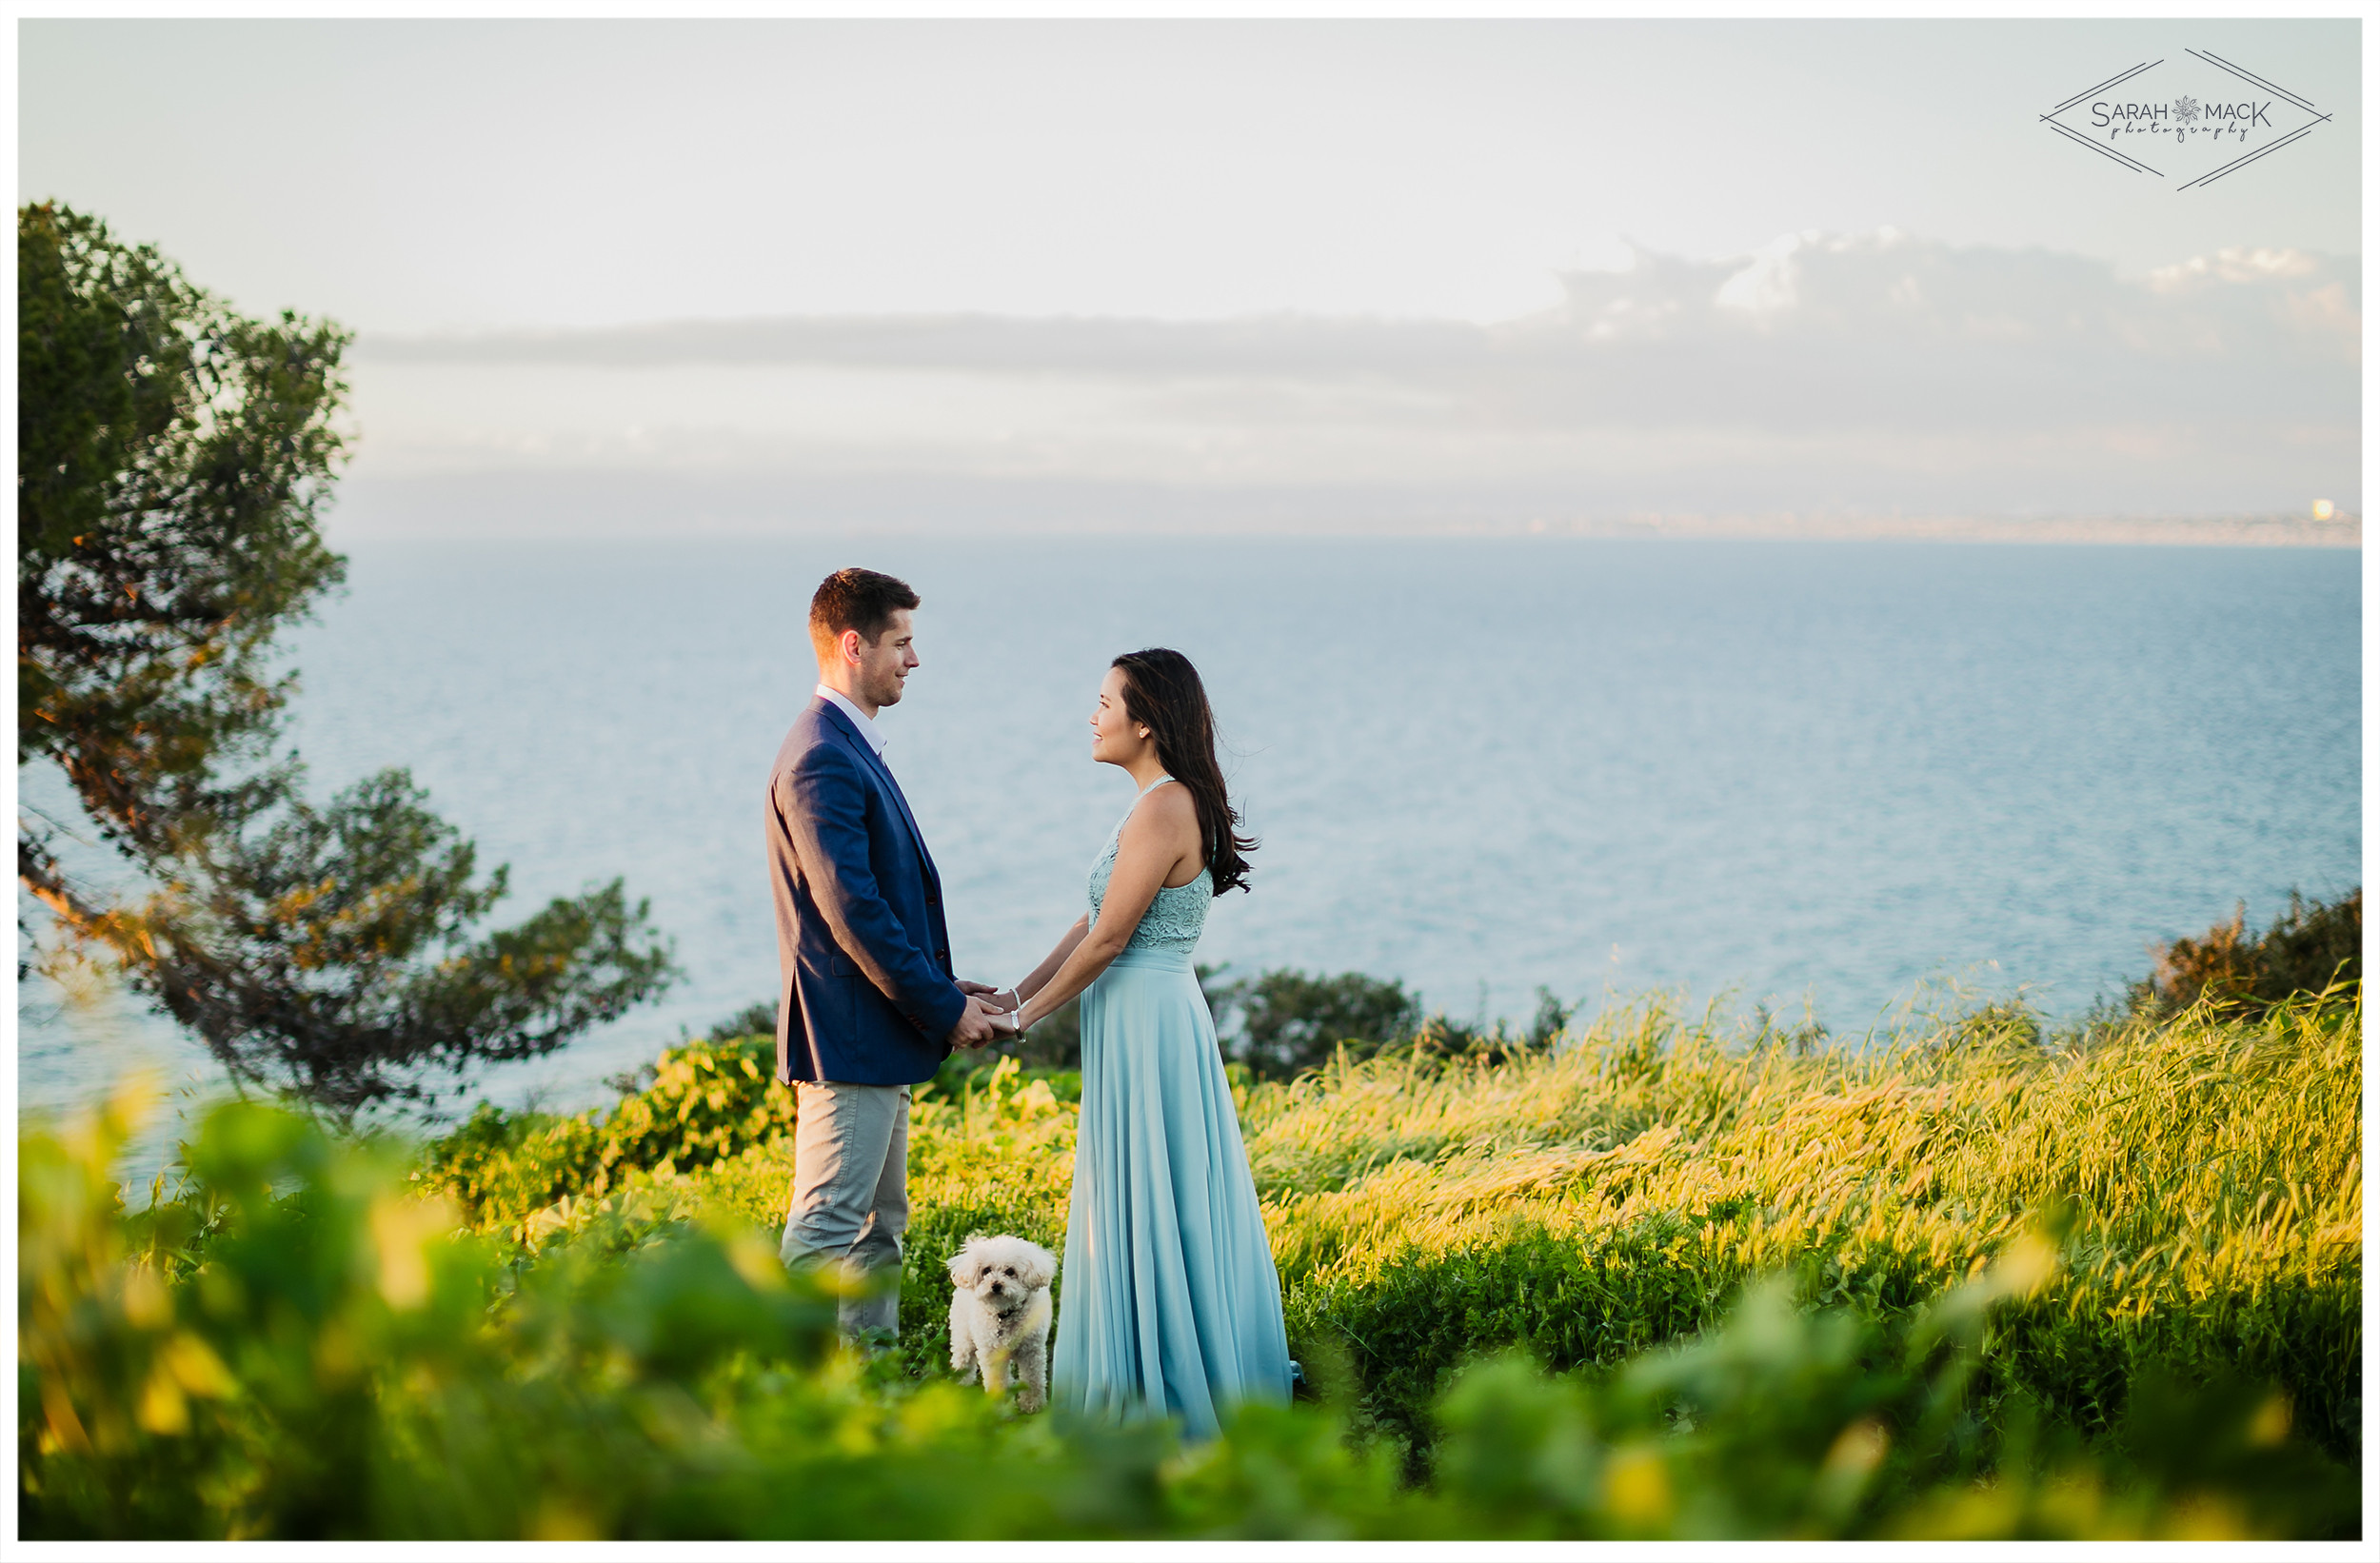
point(1000, 1314)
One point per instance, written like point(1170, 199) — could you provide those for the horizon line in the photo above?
point(2240, 529)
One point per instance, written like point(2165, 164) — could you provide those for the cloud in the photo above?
point(1881, 329)
point(1823, 371)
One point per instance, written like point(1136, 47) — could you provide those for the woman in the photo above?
point(1172, 1305)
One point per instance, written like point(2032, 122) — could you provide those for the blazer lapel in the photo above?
point(866, 752)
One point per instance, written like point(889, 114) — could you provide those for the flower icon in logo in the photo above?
point(2185, 109)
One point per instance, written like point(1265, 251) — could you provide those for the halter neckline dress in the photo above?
point(1169, 1302)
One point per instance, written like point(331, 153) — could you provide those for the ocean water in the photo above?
point(1820, 775)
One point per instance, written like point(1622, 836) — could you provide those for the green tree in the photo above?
point(172, 460)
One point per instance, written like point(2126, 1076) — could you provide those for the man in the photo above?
point(866, 1005)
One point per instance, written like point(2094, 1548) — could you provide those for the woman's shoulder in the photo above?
point(1168, 807)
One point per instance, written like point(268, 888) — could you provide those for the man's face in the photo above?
point(885, 663)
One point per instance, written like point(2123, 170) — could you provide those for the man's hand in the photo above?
point(975, 1027)
point(1003, 1000)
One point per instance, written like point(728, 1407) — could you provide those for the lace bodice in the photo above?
point(1177, 916)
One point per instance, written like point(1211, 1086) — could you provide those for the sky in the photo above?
point(1289, 272)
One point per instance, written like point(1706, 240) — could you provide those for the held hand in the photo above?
point(999, 999)
point(975, 1026)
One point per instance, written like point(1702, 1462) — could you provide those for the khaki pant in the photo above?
point(850, 1200)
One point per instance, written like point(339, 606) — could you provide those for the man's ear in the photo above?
point(847, 646)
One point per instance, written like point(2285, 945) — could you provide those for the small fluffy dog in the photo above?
point(1000, 1314)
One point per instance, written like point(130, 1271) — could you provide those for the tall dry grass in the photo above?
point(1613, 1192)
point(2206, 1175)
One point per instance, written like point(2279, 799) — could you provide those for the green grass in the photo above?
point(1670, 1275)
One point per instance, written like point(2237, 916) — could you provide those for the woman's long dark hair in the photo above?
point(1163, 693)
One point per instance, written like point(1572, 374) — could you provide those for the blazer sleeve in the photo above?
point(823, 801)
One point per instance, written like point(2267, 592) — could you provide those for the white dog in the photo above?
point(1000, 1314)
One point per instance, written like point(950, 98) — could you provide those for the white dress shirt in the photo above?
point(867, 729)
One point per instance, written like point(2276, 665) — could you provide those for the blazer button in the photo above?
point(932, 900)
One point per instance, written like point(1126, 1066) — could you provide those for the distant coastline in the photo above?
point(2271, 531)
point(599, 505)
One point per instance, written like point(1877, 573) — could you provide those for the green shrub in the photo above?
point(2310, 949)
point(703, 1099)
point(1291, 1022)
point(758, 1019)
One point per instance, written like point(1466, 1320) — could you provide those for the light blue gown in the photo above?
point(1169, 1301)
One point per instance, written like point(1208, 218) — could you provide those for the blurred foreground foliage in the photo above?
point(302, 1344)
point(1655, 1280)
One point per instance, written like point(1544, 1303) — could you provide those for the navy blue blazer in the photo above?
point(866, 994)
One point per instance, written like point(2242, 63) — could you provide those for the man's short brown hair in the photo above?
point(857, 599)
